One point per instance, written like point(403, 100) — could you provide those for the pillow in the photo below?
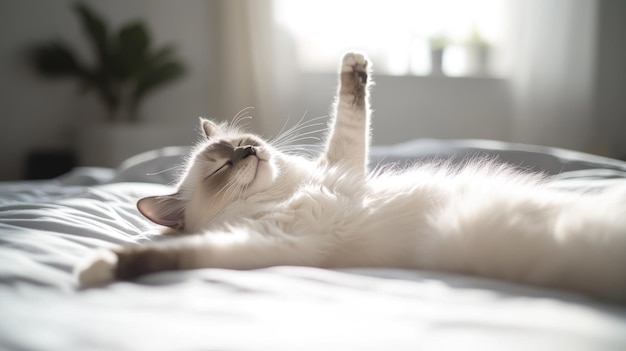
point(162, 166)
point(549, 160)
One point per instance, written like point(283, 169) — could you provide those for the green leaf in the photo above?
point(162, 55)
point(132, 49)
point(96, 30)
point(54, 59)
point(127, 68)
point(156, 77)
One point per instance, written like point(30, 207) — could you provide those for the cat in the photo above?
point(243, 204)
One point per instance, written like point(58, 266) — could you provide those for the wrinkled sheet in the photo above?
point(47, 227)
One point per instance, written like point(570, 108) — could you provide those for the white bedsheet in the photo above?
point(47, 227)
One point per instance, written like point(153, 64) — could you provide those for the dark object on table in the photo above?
point(48, 164)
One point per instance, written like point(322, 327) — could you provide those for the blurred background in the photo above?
point(94, 82)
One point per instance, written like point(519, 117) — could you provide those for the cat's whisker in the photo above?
point(307, 133)
point(301, 122)
point(242, 191)
point(295, 135)
point(297, 132)
point(286, 142)
point(296, 149)
point(300, 143)
point(235, 123)
point(237, 192)
point(308, 152)
point(226, 189)
point(243, 122)
point(306, 124)
point(241, 113)
point(165, 170)
point(296, 129)
point(282, 129)
point(233, 189)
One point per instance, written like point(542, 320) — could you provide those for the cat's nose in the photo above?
point(245, 151)
point(249, 151)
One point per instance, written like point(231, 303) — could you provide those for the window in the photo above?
point(397, 34)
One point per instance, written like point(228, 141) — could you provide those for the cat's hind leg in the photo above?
point(348, 140)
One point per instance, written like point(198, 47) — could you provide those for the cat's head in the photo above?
point(226, 166)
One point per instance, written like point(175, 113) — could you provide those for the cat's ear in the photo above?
point(167, 210)
point(209, 128)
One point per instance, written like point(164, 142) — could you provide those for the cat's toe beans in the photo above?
point(354, 62)
point(98, 270)
point(348, 62)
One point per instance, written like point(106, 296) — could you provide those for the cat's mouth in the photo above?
point(260, 164)
point(262, 170)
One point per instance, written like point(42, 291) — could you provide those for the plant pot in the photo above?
point(436, 62)
point(108, 145)
point(477, 60)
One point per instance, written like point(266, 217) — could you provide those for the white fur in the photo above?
point(97, 270)
point(484, 219)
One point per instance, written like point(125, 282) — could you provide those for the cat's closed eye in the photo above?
point(222, 167)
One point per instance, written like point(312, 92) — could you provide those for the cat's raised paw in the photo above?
point(356, 63)
point(98, 270)
point(354, 79)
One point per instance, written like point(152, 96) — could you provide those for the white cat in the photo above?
point(248, 205)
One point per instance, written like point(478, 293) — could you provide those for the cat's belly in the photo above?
point(361, 231)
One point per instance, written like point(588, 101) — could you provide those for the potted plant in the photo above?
point(477, 53)
point(127, 67)
point(438, 44)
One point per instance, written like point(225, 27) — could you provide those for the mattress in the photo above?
point(47, 227)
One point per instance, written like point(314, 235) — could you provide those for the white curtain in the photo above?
point(245, 68)
point(553, 72)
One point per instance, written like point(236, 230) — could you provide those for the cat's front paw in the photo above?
point(354, 77)
point(97, 270)
point(356, 63)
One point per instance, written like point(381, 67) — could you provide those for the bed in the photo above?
point(46, 227)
